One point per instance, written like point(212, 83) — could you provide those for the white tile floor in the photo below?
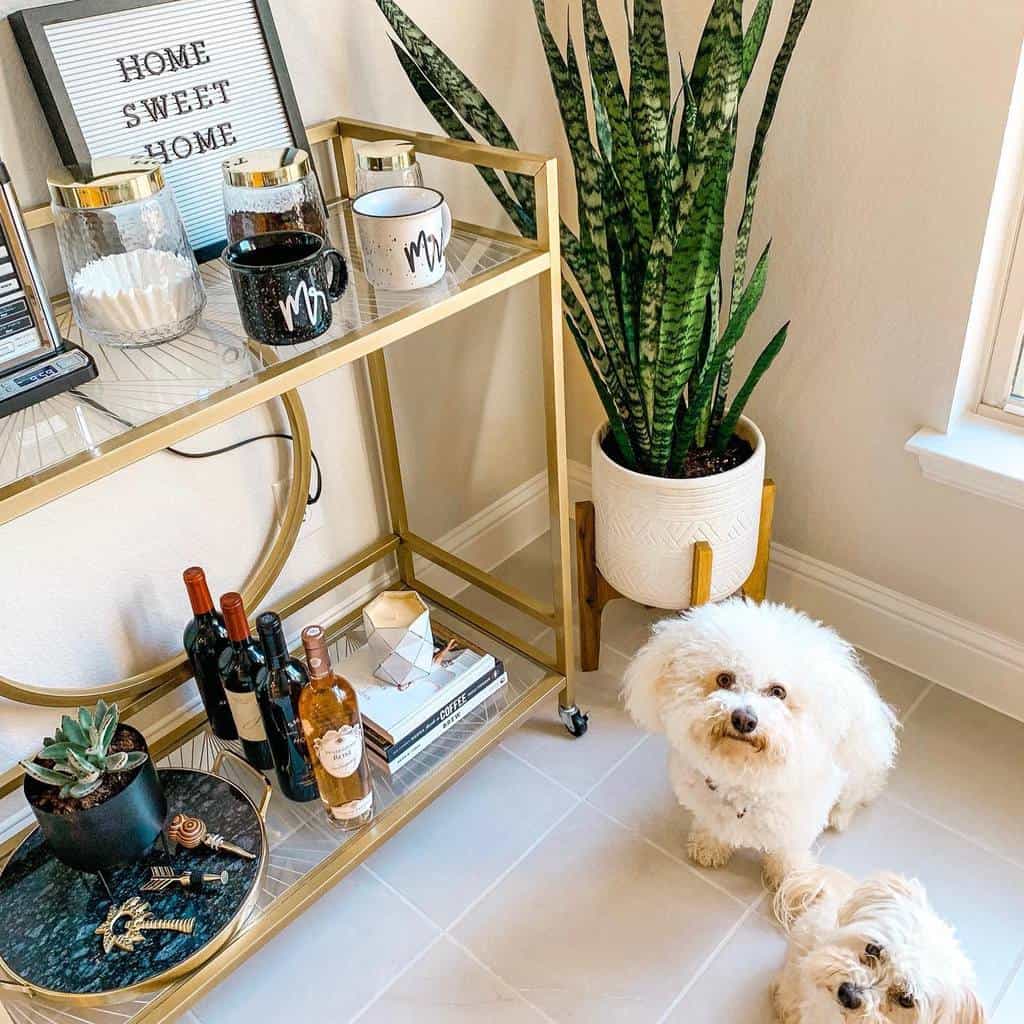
point(551, 884)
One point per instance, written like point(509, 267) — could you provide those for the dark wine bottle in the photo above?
point(238, 667)
point(206, 637)
point(278, 686)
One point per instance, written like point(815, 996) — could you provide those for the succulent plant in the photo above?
point(80, 752)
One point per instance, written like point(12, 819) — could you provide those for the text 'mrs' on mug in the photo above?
point(285, 283)
point(403, 233)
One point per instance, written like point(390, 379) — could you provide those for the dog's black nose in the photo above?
point(744, 720)
point(848, 996)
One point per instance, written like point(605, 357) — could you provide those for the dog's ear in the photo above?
point(643, 678)
point(653, 669)
point(802, 888)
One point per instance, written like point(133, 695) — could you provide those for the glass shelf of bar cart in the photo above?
point(303, 847)
point(137, 386)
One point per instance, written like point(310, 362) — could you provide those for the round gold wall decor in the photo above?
point(176, 669)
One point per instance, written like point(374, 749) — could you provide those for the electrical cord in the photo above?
point(311, 499)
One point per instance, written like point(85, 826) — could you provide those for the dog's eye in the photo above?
point(906, 1000)
point(776, 691)
point(726, 680)
point(872, 951)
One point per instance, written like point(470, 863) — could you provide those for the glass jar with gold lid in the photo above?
point(132, 277)
point(272, 190)
point(386, 164)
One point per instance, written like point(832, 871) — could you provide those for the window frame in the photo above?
point(1003, 264)
point(1007, 342)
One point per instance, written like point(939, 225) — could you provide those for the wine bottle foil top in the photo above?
point(233, 609)
point(198, 591)
point(318, 657)
point(271, 633)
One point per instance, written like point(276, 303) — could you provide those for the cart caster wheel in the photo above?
point(574, 720)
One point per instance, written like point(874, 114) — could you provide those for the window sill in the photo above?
point(982, 456)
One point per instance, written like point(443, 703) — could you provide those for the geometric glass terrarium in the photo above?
point(397, 625)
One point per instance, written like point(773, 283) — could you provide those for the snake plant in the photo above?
point(644, 298)
point(80, 752)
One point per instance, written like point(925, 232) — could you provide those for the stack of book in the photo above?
point(399, 724)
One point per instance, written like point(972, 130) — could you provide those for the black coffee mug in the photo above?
point(284, 286)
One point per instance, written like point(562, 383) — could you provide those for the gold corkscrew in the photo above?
point(192, 832)
point(162, 878)
point(138, 919)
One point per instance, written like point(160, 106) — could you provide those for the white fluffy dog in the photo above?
point(873, 952)
point(775, 729)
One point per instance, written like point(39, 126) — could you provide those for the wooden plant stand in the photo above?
point(596, 591)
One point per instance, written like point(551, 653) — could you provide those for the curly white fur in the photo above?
point(823, 744)
point(873, 952)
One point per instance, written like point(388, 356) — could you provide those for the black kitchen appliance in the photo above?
point(35, 362)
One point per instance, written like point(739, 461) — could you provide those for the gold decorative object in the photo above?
point(192, 832)
point(139, 919)
point(162, 878)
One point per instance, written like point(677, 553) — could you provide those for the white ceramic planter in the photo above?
point(646, 526)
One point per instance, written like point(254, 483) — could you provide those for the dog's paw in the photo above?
point(707, 851)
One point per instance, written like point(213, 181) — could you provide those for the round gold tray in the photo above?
point(49, 912)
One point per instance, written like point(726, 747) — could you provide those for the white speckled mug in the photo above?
point(403, 234)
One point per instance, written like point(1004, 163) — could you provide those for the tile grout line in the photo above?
point(488, 889)
point(916, 703)
point(615, 767)
point(963, 836)
point(681, 861)
point(408, 966)
point(709, 960)
point(490, 970)
point(443, 933)
point(577, 802)
point(1018, 967)
point(550, 779)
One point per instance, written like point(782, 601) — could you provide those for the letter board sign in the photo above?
point(184, 82)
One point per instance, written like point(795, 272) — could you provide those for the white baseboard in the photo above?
point(974, 661)
point(493, 534)
point(962, 656)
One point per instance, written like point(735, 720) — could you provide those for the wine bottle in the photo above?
point(329, 710)
point(205, 638)
point(238, 667)
point(278, 685)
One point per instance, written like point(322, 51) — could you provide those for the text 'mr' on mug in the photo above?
point(403, 234)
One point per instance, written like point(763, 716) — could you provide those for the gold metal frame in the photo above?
point(541, 260)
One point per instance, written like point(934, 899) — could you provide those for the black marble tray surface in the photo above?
point(49, 912)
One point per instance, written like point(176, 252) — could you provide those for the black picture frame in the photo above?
point(29, 28)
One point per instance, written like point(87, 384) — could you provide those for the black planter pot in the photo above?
point(118, 831)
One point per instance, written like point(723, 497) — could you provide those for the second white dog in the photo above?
point(775, 729)
point(869, 952)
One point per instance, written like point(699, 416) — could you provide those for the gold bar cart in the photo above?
point(224, 375)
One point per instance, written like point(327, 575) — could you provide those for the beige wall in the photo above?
point(876, 189)
point(876, 186)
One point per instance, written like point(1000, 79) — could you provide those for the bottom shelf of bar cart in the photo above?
point(306, 856)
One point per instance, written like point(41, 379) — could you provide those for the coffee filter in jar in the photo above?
point(136, 292)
